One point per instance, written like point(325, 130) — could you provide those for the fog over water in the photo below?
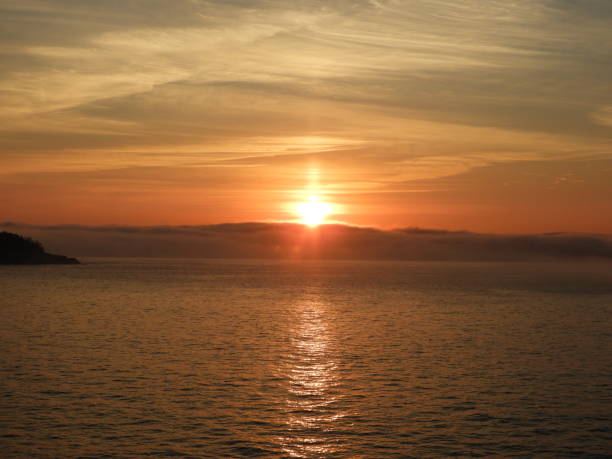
point(202, 358)
point(297, 241)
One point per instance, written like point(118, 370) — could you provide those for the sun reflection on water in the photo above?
point(312, 378)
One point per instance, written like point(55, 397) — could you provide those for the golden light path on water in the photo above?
point(309, 359)
point(311, 404)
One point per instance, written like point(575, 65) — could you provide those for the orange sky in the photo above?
point(488, 115)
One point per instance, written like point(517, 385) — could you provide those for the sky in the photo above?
point(486, 115)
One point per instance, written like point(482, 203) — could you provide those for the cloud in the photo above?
point(294, 241)
point(473, 63)
point(603, 116)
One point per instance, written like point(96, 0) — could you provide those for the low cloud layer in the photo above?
point(288, 240)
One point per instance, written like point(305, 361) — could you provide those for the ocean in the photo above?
point(313, 359)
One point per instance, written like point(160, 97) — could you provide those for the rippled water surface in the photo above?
point(137, 358)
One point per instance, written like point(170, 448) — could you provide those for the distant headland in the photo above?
point(19, 250)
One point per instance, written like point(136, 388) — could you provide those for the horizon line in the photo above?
point(415, 229)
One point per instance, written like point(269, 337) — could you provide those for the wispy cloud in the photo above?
point(603, 116)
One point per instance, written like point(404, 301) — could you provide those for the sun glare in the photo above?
point(313, 211)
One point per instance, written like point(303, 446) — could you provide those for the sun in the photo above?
point(313, 211)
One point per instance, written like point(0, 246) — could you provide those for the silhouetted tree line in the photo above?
point(17, 250)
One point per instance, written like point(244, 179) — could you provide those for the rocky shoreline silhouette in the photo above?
point(20, 250)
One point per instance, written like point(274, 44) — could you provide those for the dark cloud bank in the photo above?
point(290, 240)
